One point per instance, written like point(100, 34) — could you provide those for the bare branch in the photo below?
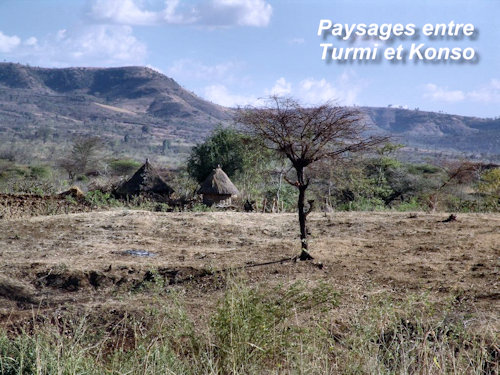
point(306, 136)
point(296, 183)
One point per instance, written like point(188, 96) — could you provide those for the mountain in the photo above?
point(113, 102)
point(140, 108)
point(438, 131)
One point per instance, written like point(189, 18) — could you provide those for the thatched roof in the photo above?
point(145, 180)
point(218, 183)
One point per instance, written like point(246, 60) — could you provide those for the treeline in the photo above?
point(374, 181)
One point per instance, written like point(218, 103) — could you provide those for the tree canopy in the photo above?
point(227, 147)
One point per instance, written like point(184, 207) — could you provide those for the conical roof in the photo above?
point(145, 180)
point(218, 183)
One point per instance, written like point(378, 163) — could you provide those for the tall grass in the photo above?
point(415, 337)
point(284, 330)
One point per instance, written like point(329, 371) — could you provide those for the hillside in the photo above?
point(112, 102)
point(137, 108)
point(438, 130)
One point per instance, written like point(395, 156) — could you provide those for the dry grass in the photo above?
point(376, 262)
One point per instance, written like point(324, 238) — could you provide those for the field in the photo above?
point(423, 268)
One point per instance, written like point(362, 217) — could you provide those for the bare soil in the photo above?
point(81, 259)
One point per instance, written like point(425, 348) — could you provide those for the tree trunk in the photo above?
point(302, 186)
point(279, 191)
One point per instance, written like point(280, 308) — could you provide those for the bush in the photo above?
point(17, 356)
point(364, 204)
point(233, 150)
point(100, 199)
point(412, 205)
point(40, 171)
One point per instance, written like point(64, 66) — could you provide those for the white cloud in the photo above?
point(61, 34)
point(155, 68)
point(315, 91)
point(94, 45)
point(280, 88)
point(437, 93)
point(487, 93)
point(220, 94)
point(121, 12)
point(237, 12)
point(31, 41)
point(213, 13)
point(104, 42)
point(400, 106)
point(344, 89)
point(171, 15)
point(8, 43)
point(186, 69)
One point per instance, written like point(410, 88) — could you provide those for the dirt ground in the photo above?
point(80, 259)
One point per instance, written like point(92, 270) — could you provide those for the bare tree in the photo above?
point(305, 136)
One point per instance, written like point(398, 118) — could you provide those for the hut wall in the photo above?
point(211, 199)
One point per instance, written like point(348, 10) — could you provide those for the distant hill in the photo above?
point(110, 102)
point(438, 130)
point(143, 107)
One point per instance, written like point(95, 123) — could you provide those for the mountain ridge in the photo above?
point(121, 96)
point(131, 101)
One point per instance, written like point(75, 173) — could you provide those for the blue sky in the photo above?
point(234, 52)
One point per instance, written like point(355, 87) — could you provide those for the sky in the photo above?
point(236, 52)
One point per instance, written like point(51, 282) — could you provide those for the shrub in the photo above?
point(364, 204)
point(412, 205)
point(40, 171)
point(100, 199)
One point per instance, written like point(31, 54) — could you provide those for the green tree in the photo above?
point(43, 133)
point(225, 147)
point(165, 146)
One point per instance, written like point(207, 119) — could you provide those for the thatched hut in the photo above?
point(146, 181)
point(217, 188)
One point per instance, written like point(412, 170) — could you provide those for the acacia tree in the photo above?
point(306, 135)
point(83, 154)
point(455, 172)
